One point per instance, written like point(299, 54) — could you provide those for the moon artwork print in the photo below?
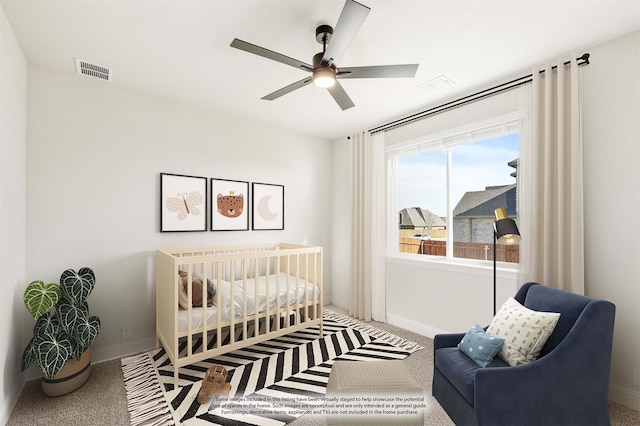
point(183, 203)
point(229, 199)
point(263, 209)
point(268, 206)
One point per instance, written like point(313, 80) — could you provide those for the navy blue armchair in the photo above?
point(567, 385)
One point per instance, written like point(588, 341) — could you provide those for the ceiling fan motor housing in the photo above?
point(317, 61)
point(324, 74)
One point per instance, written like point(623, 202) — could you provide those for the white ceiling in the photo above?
point(180, 49)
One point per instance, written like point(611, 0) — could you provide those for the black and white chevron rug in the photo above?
point(285, 377)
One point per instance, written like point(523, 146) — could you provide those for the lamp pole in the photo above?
point(506, 231)
point(495, 241)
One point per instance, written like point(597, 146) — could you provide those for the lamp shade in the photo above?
point(506, 229)
point(324, 77)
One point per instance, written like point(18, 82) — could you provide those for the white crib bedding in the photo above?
point(299, 291)
point(196, 317)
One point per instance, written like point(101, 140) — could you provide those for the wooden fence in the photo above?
point(482, 251)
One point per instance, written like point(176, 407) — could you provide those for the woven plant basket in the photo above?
point(73, 375)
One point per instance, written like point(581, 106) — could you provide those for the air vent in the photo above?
point(437, 83)
point(93, 70)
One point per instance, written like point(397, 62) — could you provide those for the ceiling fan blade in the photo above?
point(349, 23)
point(269, 54)
point(340, 96)
point(379, 71)
point(287, 89)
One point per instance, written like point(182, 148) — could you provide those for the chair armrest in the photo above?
point(447, 340)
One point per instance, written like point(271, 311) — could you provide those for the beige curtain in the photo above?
point(367, 227)
point(553, 247)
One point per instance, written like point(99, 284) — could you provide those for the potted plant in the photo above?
point(63, 332)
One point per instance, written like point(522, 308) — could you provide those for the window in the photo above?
point(447, 189)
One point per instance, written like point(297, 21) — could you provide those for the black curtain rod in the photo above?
point(582, 60)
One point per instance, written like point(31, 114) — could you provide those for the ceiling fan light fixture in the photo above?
point(324, 77)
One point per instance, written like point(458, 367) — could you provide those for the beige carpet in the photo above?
point(102, 401)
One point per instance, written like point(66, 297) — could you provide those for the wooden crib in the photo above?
point(261, 291)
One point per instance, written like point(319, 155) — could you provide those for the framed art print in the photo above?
point(229, 205)
point(183, 203)
point(267, 206)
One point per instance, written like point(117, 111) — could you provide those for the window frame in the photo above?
point(499, 125)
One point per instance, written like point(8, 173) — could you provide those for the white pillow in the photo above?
point(524, 331)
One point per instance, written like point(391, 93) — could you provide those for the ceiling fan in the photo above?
point(324, 71)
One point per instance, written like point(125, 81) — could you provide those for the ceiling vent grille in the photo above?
point(438, 83)
point(93, 70)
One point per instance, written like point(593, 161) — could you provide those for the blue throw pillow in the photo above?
point(480, 346)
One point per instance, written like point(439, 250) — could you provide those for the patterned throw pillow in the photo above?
point(524, 331)
point(480, 346)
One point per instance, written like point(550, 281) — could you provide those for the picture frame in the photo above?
point(229, 205)
point(183, 203)
point(267, 206)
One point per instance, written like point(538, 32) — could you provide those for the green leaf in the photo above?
point(86, 332)
point(47, 324)
point(70, 315)
point(76, 348)
point(29, 355)
point(40, 298)
point(52, 353)
point(77, 286)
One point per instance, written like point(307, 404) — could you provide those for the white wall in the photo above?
point(437, 297)
point(94, 154)
point(13, 137)
point(611, 86)
point(433, 297)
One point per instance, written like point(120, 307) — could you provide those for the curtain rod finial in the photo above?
point(585, 58)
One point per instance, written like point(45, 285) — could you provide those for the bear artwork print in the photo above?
point(230, 205)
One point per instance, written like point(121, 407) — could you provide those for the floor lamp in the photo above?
point(505, 231)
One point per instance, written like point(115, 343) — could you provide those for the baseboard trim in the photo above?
point(414, 326)
point(624, 396)
point(128, 348)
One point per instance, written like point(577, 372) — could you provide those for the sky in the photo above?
point(421, 178)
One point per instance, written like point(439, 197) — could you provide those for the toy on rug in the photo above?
point(214, 383)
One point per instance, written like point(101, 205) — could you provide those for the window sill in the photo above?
point(418, 260)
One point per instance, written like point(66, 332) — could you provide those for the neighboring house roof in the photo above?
point(483, 203)
point(419, 217)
